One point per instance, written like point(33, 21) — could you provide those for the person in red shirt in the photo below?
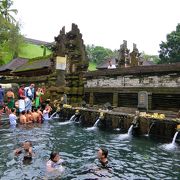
point(21, 92)
point(22, 97)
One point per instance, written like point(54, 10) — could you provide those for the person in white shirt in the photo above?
point(13, 117)
point(111, 66)
point(54, 163)
point(46, 113)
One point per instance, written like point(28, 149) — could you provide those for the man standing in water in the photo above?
point(29, 93)
point(21, 102)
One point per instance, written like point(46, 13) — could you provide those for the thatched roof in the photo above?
point(34, 65)
point(12, 65)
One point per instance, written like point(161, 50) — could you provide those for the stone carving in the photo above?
point(127, 59)
point(123, 57)
point(134, 55)
point(77, 64)
point(59, 48)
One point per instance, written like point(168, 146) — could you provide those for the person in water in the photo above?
point(102, 156)
point(54, 163)
point(13, 117)
point(26, 150)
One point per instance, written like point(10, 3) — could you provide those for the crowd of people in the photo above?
point(28, 107)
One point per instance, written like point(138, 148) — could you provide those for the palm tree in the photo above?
point(5, 10)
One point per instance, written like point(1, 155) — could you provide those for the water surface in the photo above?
point(133, 158)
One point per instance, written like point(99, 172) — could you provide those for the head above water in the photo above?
point(26, 145)
point(102, 153)
point(54, 156)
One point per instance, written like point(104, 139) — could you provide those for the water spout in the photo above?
point(128, 134)
point(94, 126)
point(150, 128)
point(130, 130)
point(53, 115)
point(96, 123)
point(174, 138)
point(172, 145)
point(72, 118)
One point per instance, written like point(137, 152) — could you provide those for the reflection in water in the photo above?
point(136, 159)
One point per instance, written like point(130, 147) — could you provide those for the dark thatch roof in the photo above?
point(33, 65)
point(12, 65)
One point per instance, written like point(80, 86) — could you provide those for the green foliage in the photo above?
point(5, 10)
point(92, 66)
point(98, 53)
point(32, 51)
point(154, 58)
point(10, 37)
point(170, 50)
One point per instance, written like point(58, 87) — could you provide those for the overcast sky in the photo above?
point(102, 22)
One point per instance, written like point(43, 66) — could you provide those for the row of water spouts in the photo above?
point(74, 118)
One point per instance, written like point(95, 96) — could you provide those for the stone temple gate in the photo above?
point(61, 72)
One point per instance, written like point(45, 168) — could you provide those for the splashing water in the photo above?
point(53, 115)
point(72, 118)
point(172, 145)
point(94, 126)
point(127, 135)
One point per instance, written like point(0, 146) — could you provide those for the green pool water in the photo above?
point(130, 158)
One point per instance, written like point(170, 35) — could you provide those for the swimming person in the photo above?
point(54, 163)
point(102, 156)
point(26, 150)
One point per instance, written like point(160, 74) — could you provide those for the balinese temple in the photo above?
point(62, 72)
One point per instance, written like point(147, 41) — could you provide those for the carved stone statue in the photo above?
point(134, 55)
point(123, 57)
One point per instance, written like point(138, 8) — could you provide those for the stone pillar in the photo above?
point(115, 99)
point(91, 99)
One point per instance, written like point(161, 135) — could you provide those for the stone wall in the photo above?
point(121, 86)
point(87, 117)
point(170, 80)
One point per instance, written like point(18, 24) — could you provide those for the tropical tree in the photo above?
point(170, 50)
point(154, 58)
point(5, 10)
point(98, 53)
point(10, 37)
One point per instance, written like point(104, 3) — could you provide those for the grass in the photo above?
point(32, 51)
point(29, 51)
point(92, 66)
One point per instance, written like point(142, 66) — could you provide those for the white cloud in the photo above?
point(102, 22)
